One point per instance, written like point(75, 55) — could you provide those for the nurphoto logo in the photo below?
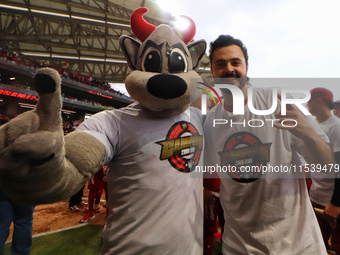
point(238, 99)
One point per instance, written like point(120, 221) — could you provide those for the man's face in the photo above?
point(336, 110)
point(229, 62)
point(313, 104)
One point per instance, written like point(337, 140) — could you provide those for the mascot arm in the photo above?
point(37, 163)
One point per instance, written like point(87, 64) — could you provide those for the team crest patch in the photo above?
point(182, 147)
point(242, 150)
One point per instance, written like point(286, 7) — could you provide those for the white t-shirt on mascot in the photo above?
point(263, 214)
point(155, 206)
point(322, 188)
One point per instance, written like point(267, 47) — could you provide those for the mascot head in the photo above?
point(162, 65)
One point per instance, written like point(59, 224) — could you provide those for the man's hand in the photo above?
point(332, 214)
point(295, 122)
point(317, 151)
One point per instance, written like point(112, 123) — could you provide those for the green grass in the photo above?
point(85, 240)
point(217, 248)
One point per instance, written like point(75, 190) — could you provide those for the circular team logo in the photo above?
point(244, 155)
point(182, 147)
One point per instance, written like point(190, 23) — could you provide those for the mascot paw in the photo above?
point(31, 150)
point(36, 136)
point(46, 80)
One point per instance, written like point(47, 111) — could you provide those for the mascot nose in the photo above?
point(166, 86)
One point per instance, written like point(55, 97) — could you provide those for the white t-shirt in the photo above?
point(322, 188)
point(155, 207)
point(272, 213)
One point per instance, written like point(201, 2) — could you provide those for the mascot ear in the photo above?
point(197, 50)
point(130, 49)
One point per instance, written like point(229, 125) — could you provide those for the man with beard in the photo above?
point(264, 212)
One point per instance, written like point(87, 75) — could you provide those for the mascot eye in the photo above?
point(152, 62)
point(177, 62)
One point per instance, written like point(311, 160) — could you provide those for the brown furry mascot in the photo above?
point(151, 147)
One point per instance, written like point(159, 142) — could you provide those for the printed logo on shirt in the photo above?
point(182, 147)
point(242, 150)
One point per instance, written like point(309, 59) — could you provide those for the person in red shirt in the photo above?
point(95, 185)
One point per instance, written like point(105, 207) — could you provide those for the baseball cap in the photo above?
point(324, 94)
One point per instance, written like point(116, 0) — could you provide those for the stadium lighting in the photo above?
point(13, 7)
point(181, 23)
point(29, 106)
point(47, 55)
point(92, 59)
point(117, 61)
point(117, 24)
point(87, 19)
point(62, 15)
point(50, 13)
point(36, 54)
point(63, 56)
point(166, 5)
point(67, 111)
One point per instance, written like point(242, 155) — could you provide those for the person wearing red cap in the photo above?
point(324, 192)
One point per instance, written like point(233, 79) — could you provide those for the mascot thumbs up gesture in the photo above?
point(33, 166)
point(151, 146)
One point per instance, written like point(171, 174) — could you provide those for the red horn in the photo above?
point(187, 34)
point(139, 26)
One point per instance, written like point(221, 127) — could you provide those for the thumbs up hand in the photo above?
point(32, 151)
point(34, 137)
point(295, 122)
point(37, 164)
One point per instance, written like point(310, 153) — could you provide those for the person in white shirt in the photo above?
point(324, 192)
point(263, 214)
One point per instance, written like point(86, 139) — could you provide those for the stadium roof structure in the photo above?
point(82, 34)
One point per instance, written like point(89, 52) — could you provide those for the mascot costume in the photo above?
point(151, 146)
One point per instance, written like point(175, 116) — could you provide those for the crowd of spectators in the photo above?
point(68, 125)
point(86, 102)
point(4, 118)
point(64, 70)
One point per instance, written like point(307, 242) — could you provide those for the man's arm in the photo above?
point(332, 210)
point(336, 193)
